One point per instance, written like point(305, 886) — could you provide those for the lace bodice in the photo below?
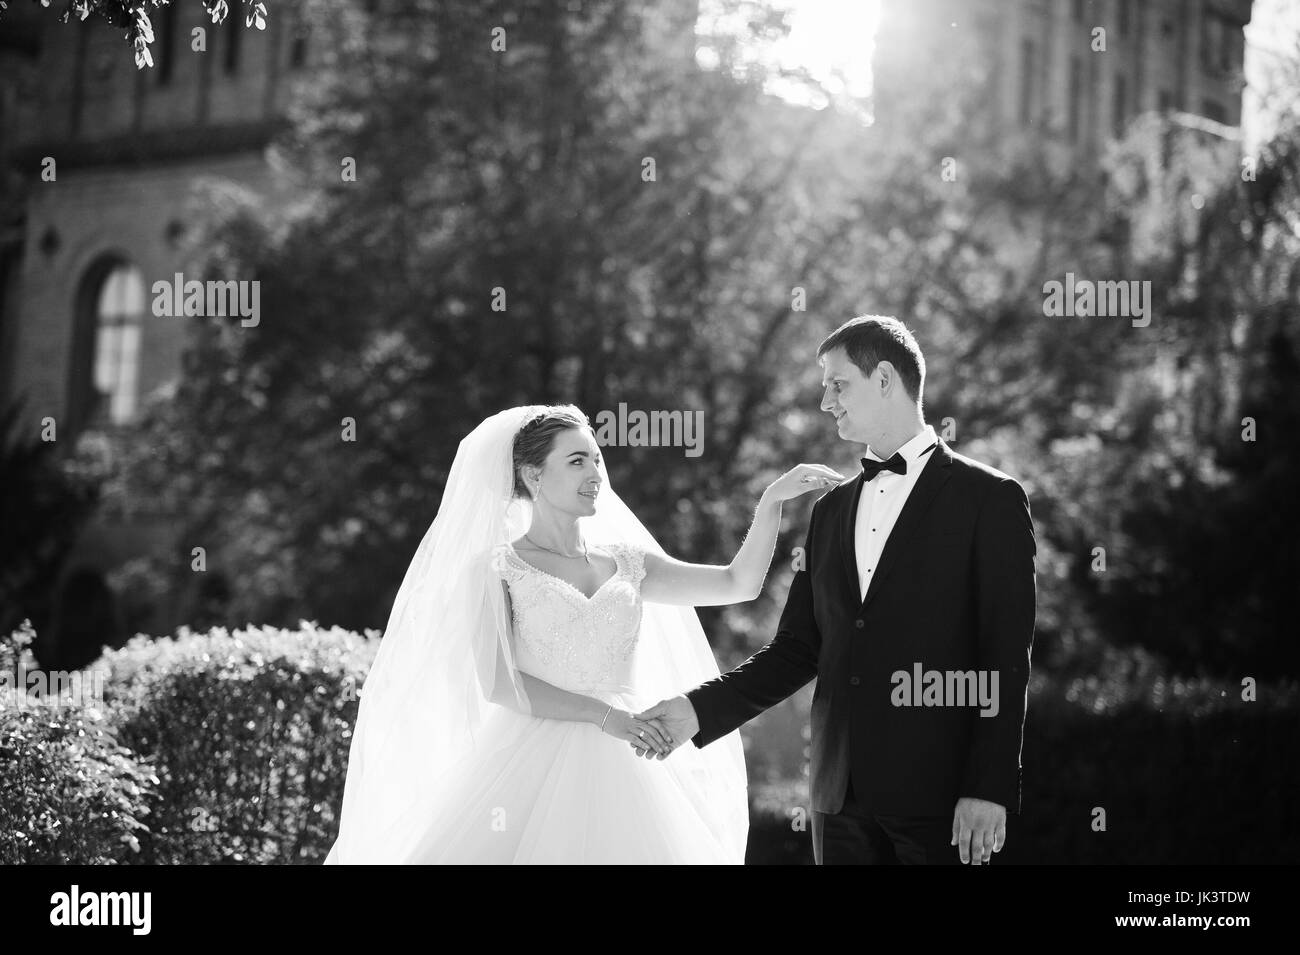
point(578, 643)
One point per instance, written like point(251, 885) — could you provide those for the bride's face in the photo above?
point(570, 480)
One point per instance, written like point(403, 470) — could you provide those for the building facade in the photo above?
point(1072, 72)
point(102, 161)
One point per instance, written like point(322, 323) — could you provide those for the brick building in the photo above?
point(79, 253)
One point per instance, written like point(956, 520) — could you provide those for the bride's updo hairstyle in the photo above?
point(534, 440)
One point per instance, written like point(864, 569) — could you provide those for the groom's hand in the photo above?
point(678, 719)
point(979, 829)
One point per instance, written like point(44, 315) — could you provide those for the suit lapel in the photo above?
point(848, 520)
point(933, 476)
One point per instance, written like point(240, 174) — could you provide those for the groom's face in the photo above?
point(849, 396)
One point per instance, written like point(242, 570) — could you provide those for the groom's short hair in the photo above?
point(870, 339)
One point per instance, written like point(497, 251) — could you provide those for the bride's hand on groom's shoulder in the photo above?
point(801, 479)
point(677, 717)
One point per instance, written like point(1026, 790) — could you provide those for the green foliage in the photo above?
point(44, 503)
point(1163, 757)
point(249, 732)
point(69, 791)
point(1126, 438)
point(479, 169)
point(1199, 522)
point(519, 170)
point(234, 747)
point(134, 16)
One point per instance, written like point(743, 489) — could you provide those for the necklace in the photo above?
point(585, 555)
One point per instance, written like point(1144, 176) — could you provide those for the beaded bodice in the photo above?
point(572, 641)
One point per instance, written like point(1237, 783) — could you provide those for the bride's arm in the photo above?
point(548, 701)
point(672, 581)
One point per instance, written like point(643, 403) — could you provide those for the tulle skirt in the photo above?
point(544, 791)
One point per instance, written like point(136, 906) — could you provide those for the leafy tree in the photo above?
point(44, 504)
point(525, 170)
point(519, 165)
point(134, 17)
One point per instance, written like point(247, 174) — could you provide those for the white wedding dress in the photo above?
point(555, 791)
point(444, 764)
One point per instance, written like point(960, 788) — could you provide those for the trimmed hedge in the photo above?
point(223, 747)
point(249, 732)
point(1186, 771)
point(69, 791)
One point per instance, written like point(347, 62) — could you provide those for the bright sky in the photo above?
point(1272, 41)
point(831, 39)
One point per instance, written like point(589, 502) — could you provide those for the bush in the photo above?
point(1186, 771)
point(45, 502)
point(69, 792)
point(780, 823)
point(238, 746)
point(249, 732)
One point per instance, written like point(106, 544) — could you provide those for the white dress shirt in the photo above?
point(881, 501)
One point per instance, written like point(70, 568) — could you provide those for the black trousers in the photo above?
point(854, 836)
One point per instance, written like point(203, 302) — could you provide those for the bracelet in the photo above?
point(607, 712)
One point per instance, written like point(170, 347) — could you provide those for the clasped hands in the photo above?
point(979, 826)
point(656, 732)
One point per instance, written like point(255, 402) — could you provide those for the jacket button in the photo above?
point(854, 681)
point(859, 623)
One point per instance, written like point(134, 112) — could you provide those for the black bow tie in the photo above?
point(871, 468)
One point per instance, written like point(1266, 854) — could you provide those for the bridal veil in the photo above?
point(447, 654)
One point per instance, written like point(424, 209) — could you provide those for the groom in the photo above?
point(915, 613)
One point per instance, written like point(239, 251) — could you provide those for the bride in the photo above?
point(536, 618)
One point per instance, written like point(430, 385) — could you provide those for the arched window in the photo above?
point(117, 345)
point(103, 385)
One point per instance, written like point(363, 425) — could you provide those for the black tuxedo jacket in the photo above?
point(954, 591)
